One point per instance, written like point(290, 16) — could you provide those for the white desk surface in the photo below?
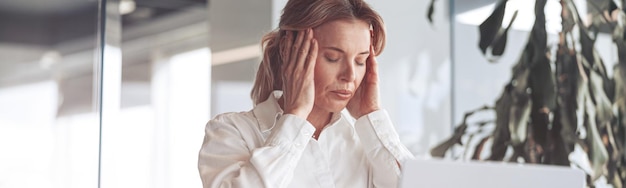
point(436, 173)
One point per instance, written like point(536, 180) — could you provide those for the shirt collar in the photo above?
point(268, 111)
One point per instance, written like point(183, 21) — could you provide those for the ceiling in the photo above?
point(46, 7)
point(50, 22)
point(34, 33)
point(47, 24)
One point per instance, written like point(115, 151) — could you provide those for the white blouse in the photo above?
point(263, 148)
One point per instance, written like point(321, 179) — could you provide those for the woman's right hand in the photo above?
point(299, 53)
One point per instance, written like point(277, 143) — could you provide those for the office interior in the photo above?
point(116, 93)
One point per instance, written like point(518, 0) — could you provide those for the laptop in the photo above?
point(438, 173)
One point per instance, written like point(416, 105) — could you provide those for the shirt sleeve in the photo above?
point(226, 161)
point(383, 148)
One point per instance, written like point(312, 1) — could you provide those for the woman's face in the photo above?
point(340, 66)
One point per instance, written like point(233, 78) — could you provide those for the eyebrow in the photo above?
point(340, 50)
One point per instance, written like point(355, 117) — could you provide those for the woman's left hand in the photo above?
point(365, 98)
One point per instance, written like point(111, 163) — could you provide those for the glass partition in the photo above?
point(49, 117)
point(156, 84)
point(108, 93)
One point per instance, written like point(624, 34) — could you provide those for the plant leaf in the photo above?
point(543, 97)
point(598, 7)
point(599, 98)
point(612, 6)
point(542, 83)
point(519, 111)
point(569, 81)
point(501, 134)
point(431, 10)
point(598, 155)
point(441, 149)
point(512, 98)
point(499, 44)
point(619, 77)
point(490, 27)
point(539, 36)
point(586, 44)
point(568, 20)
point(618, 38)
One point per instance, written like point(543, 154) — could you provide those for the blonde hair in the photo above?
point(302, 14)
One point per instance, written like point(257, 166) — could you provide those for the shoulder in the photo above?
point(238, 127)
point(232, 119)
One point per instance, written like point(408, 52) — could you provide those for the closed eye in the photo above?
point(331, 59)
point(361, 59)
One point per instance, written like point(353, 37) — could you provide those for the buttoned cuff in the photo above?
point(291, 132)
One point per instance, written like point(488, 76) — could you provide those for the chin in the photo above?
point(332, 105)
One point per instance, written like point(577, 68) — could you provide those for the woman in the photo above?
point(319, 62)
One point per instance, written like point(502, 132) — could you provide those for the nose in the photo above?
point(347, 73)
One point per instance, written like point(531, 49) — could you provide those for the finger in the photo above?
point(372, 65)
point(303, 50)
point(295, 49)
point(287, 49)
point(283, 50)
point(303, 53)
point(312, 56)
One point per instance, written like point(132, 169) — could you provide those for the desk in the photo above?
point(436, 173)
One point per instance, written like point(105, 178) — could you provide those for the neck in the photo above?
point(319, 118)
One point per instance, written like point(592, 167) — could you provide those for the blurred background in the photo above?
point(116, 93)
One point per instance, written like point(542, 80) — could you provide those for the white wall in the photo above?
point(415, 71)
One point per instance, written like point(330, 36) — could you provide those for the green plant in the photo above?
point(546, 114)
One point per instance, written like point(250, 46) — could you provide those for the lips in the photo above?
point(342, 94)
